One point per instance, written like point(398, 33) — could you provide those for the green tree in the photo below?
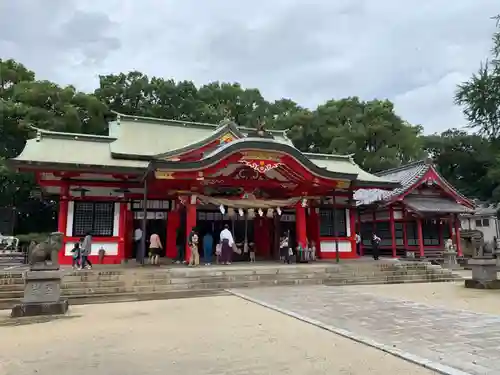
point(135, 93)
point(25, 102)
point(465, 160)
point(370, 130)
point(480, 96)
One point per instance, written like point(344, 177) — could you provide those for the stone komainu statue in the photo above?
point(47, 250)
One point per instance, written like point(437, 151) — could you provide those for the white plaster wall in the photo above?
point(398, 214)
point(348, 222)
point(111, 248)
point(69, 224)
point(489, 232)
point(328, 246)
point(116, 220)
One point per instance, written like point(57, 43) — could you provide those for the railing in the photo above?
point(10, 252)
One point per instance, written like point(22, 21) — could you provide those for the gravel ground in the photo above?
point(216, 335)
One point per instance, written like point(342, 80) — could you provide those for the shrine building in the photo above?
point(163, 176)
point(417, 217)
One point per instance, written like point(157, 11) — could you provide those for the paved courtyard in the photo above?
point(441, 322)
point(215, 335)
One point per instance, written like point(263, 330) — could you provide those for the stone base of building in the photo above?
point(481, 284)
point(38, 309)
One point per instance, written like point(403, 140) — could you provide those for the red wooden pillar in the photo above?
point(405, 236)
point(300, 224)
point(457, 236)
point(122, 231)
point(420, 237)
point(314, 229)
point(361, 251)
point(393, 231)
point(62, 219)
point(190, 224)
point(173, 223)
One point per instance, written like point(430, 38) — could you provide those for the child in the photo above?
point(76, 256)
point(218, 252)
point(312, 255)
point(252, 252)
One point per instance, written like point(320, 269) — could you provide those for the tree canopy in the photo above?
point(480, 96)
point(376, 136)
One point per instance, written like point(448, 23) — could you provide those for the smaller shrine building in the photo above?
point(417, 217)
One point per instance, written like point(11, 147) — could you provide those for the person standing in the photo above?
point(181, 249)
point(86, 250)
point(208, 243)
point(285, 248)
point(358, 244)
point(155, 248)
point(194, 257)
point(137, 241)
point(375, 246)
point(227, 242)
point(76, 256)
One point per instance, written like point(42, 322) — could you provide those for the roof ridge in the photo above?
point(328, 156)
point(56, 134)
point(401, 167)
point(183, 122)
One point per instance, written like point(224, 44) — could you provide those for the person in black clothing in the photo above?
point(375, 246)
point(181, 249)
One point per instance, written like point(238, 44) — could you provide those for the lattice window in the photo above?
point(96, 217)
point(327, 218)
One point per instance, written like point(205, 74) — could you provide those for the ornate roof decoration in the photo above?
point(409, 176)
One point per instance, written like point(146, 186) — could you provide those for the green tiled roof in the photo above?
point(345, 164)
point(73, 149)
point(135, 141)
point(165, 136)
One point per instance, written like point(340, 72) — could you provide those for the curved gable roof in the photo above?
point(144, 138)
point(408, 176)
point(253, 144)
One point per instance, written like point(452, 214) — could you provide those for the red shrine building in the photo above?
point(418, 217)
point(167, 177)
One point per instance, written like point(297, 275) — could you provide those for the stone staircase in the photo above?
point(121, 284)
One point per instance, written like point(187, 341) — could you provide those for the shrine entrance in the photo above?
point(211, 220)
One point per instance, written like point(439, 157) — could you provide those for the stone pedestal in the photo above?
point(484, 274)
point(450, 260)
point(496, 254)
point(42, 295)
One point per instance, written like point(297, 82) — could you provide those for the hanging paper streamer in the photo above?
point(193, 199)
point(278, 210)
point(230, 212)
point(240, 212)
point(304, 202)
point(251, 213)
point(270, 213)
point(260, 212)
point(222, 209)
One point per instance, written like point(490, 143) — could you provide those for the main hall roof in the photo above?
point(134, 142)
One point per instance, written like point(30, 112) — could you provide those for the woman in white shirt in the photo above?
point(227, 241)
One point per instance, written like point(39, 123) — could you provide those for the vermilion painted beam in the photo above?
point(89, 183)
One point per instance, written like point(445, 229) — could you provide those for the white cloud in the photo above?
point(412, 52)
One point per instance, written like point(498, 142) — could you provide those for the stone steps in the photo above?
point(119, 285)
